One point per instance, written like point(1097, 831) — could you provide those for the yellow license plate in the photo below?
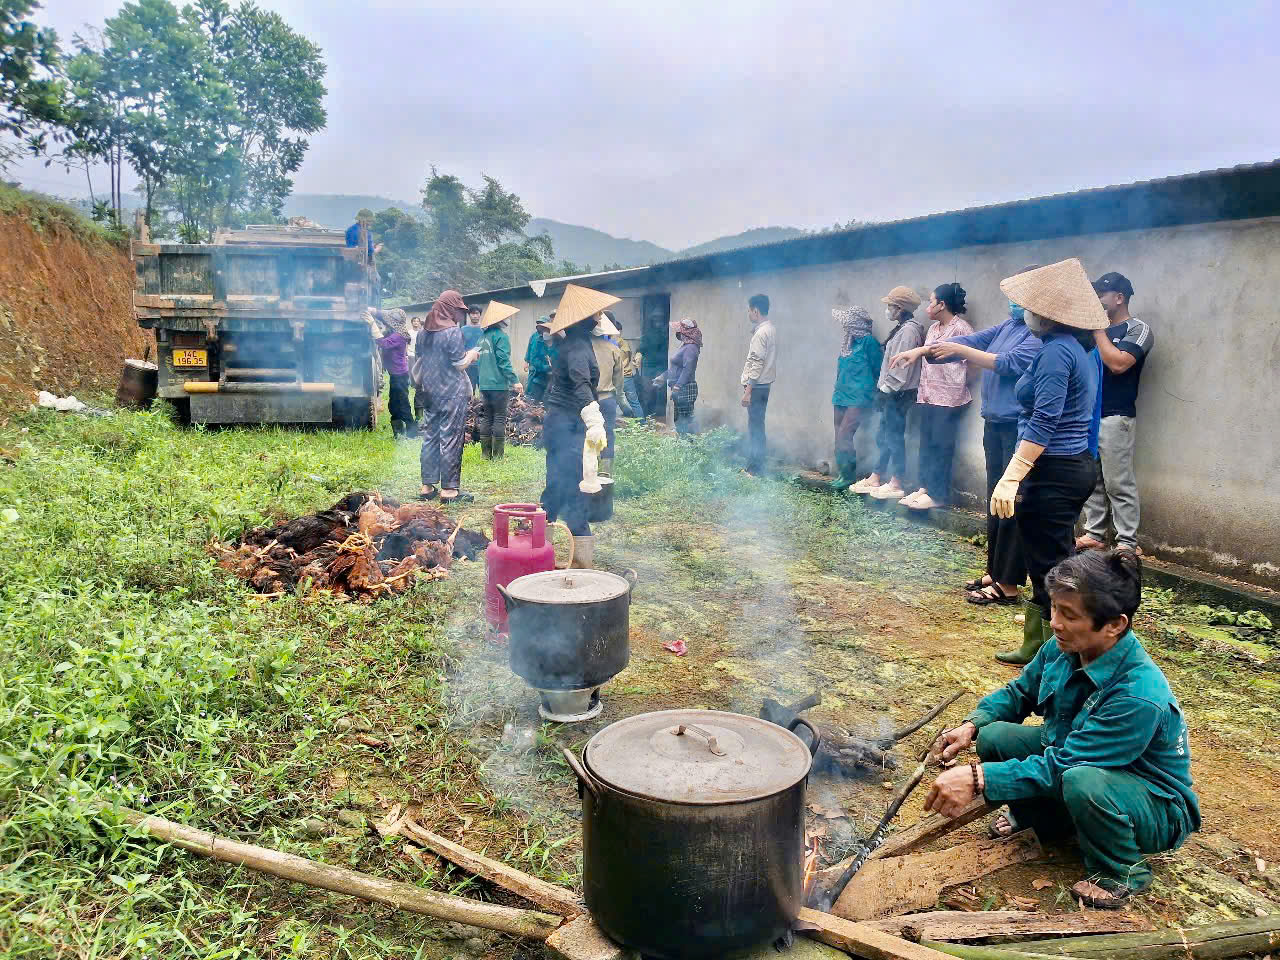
point(191, 358)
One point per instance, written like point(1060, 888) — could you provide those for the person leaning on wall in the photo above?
point(857, 368)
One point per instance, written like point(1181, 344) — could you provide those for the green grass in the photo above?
point(46, 213)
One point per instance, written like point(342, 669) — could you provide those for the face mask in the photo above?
point(889, 313)
point(1037, 324)
point(1016, 312)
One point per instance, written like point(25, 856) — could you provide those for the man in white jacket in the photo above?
point(757, 379)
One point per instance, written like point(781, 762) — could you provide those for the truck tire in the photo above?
point(182, 411)
point(357, 413)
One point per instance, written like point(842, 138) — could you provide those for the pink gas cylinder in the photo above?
point(513, 555)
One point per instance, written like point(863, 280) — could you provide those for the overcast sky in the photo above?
point(677, 121)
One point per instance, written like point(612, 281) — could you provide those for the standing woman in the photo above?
point(857, 369)
point(573, 414)
point(496, 379)
point(942, 398)
point(415, 328)
point(440, 370)
point(681, 375)
point(629, 401)
point(1052, 472)
point(1004, 353)
point(392, 335)
point(604, 344)
point(895, 396)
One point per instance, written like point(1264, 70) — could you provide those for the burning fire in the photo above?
point(810, 864)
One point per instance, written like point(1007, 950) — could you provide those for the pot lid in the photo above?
point(697, 756)
point(568, 586)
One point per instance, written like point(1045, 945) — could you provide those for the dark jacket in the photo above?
point(574, 373)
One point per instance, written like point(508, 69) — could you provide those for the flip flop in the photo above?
point(981, 598)
point(429, 496)
point(462, 497)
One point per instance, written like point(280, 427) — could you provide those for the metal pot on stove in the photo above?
point(569, 635)
point(693, 831)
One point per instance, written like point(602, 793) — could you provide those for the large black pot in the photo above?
point(693, 831)
point(569, 629)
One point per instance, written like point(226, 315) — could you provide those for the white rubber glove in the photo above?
point(591, 447)
point(1005, 493)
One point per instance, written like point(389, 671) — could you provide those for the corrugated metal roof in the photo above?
point(1230, 193)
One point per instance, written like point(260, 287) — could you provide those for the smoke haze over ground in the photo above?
point(676, 123)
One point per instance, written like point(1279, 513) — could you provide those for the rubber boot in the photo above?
point(584, 552)
point(1034, 633)
point(848, 474)
point(499, 447)
point(486, 446)
point(397, 428)
point(606, 467)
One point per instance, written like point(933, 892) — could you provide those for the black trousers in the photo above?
point(757, 441)
point(891, 433)
point(564, 434)
point(398, 401)
point(1048, 504)
point(491, 421)
point(1005, 563)
point(938, 426)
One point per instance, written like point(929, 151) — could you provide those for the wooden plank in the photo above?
point(959, 926)
point(860, 939)
point(914, 837)
point(1236, 938)
point(581, 939)
point(546, 895)
point(894, 885)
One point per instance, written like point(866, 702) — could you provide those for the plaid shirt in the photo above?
point(945, 384)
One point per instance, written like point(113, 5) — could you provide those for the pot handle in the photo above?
point(507, 599)
point(815, 738)
point(632, 578)
point(711, 741)
point(584, 779)
point(568, 563)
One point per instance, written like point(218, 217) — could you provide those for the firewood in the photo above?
point(1234, 939)
point(957, 925)
point(860, 939)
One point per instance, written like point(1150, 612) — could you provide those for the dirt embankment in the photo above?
point(66, 316)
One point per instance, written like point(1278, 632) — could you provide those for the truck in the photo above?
point(264, 325)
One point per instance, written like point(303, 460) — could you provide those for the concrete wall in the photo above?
point(1209, 409)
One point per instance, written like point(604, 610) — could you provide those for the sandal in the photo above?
point(435, 492)
point(993, 831)
point(459, 497)
point(1103, 893)
point(991, 595)
point(972, 585)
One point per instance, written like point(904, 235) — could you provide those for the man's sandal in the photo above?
point(978, 584)
point(991, 594)
point(1103, 893)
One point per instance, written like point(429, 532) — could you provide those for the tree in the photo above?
point(31, 95)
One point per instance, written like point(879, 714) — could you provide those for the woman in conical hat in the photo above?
point(495, 378)
point(1052, 471)
point(573, 416)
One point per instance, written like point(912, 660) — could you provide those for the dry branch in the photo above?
point(957, 925)
point(860, 939)
point(392, 893)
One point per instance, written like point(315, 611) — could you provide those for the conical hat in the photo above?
point(496, 312)
point(578, 303)
point(1060, 292)
point(605, 328)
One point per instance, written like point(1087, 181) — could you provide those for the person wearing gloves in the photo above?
point(537, 359)
point(895, 396)
point(681, 374)
point(604, 343)
point(1004, 353)
point(857, 369)
point(391, 332)
point(1111, 765)
point(1051, 472)
point(495, 378)
point(629, 400)
point(573, 430)
point(439, 369)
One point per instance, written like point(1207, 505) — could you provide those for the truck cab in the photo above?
point(264, 325)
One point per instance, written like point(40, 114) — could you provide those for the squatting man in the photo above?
point(1111, 765)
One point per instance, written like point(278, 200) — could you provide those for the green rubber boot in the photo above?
point(486, 446)
point(1034, 633)
point(848, 474)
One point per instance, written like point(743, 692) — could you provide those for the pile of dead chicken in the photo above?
point(524, 421)
point(364, 547)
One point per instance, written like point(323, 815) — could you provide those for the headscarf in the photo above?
point(856, 323)
point(444, 313)
point(687, 329)
point(397, 320)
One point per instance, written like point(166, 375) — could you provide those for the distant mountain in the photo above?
point(339, 209)
point(595, 248)
point(748, 238)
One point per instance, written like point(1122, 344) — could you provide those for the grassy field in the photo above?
point(137, 672)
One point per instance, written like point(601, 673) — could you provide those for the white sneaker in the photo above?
point(864, 486)
point(886, 492)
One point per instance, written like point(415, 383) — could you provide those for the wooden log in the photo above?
point(895, 885)
point(860, 939)
point(972, 952)
point(912, 838)
point(958, 925)
point(1237, 938)
point(581, 939)
point(546, 895)
point(392, 893)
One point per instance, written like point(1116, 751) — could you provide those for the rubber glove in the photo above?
point(595, 442)
point(1006, 491)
